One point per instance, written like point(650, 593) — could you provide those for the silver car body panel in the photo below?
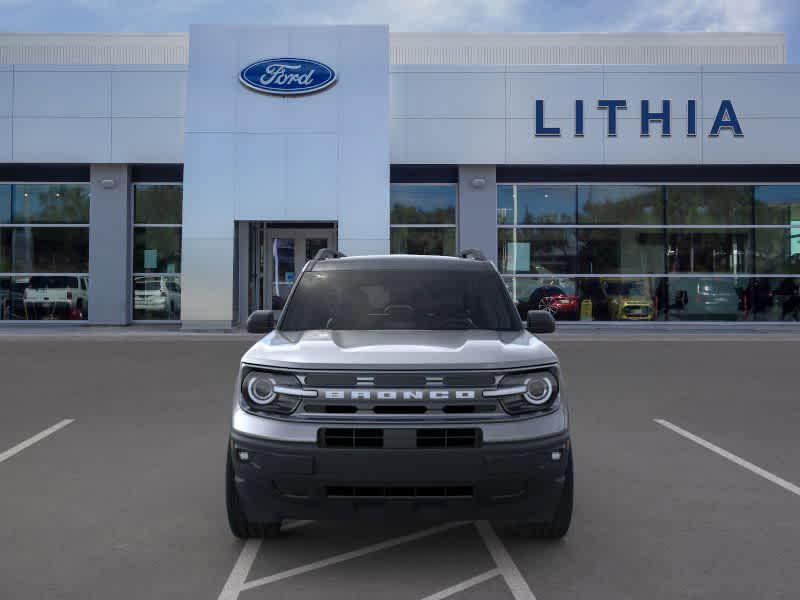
point(512, 430)
point(400, 350)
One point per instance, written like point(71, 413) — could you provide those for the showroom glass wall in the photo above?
point(44, 251)
point(157, 217)
point(423, 218)
point(652, 252)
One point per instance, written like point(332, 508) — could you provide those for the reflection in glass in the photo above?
point(778, 250)
point(777, 205)
point(44, 203)
point(695, 298)
point(620, 204)
point(709, 205)
point(157, 249)
point(555, 295)
point(710, 251)
point(621, 250)
point(623, 298)
point(44, 297)
point(44, 249)
point(775, 299)
point(537, 251)
point(413, 204)
point(536, 204)
point(423, 240)
point(156, 297)
point(283, 261)
point(158, 204)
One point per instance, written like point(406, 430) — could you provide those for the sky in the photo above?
point(414, 15)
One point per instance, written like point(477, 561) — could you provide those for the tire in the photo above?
point(239, 525)
point(558, 527)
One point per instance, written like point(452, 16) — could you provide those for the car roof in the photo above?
point(400, 262)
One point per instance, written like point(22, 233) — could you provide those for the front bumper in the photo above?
point(514, 480)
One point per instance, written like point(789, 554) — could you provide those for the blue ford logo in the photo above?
point(287, 76)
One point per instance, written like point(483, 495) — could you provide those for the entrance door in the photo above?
point(279, 255)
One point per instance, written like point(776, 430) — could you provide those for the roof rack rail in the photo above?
point(326, 253)
point(473, 253)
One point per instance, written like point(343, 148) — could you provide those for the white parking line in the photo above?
point(505, 564)
point(464, 585)
point(326, 562)
point(731, 457)
point(244, 563)
point(33, 439)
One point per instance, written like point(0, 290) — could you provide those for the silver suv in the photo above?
point(399, 386)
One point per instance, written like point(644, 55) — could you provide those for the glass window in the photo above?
point(535, 204)
point(424, 240)
point(44, 249)
point(44, 204)
point(553, 294)
point(433, 205)
point(44, 264)
point(423, 204)
point(400, 299)
point(621, 251)
point(158, 204)
point(622, 298)
point(709, 205)
point(777, 205)
point(778, 250)
point(710, 251)
point(156, 297)
point(708, 299)
point(157, 251)
point(537, 251)
point(620, 204)
point(774, 299)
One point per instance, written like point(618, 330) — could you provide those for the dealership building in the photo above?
point(187, 178)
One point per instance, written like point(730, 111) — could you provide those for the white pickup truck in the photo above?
point(56, 297)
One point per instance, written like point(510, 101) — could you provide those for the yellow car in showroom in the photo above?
point(628, 299)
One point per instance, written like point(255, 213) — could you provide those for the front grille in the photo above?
point(399, 380)
point(399, 492)
point(447, 438)
point(352, 438)
point(371, 437)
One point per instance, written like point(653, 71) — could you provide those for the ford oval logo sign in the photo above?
point(287, 76)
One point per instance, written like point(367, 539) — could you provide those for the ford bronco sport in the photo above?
point(399, 386)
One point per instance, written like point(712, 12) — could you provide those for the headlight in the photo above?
point(521, 393)
point(260, 388)
point(539, 389)
point(267, 392)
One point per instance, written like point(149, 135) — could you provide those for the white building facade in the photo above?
point(630, 177)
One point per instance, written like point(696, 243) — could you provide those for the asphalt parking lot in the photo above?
point(121, 496)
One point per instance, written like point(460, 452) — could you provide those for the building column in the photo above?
point(477, 209)
point(109, 245)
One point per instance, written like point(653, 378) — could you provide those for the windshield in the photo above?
point(626, 288)
point(400, 299)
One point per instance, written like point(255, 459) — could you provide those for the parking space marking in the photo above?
point(4, 456)
point(240, 571)
point(339, 558)
point(464, 585)
point(731, 457)
point(505, 564)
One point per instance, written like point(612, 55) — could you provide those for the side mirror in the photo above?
point(541, 321)
point(262, 321)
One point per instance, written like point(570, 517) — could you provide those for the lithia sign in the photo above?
point(726, 119)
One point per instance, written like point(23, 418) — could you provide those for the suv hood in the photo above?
point(473, 349)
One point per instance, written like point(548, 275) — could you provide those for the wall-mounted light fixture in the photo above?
point(478, 182)
point(109, 183)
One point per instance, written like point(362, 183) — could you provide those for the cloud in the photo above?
point(415, 15)
point(705, 15)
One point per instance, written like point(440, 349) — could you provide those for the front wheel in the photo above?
point(559, 525)
point(239, 525)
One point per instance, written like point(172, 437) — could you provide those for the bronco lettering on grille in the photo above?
point(400, 394)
